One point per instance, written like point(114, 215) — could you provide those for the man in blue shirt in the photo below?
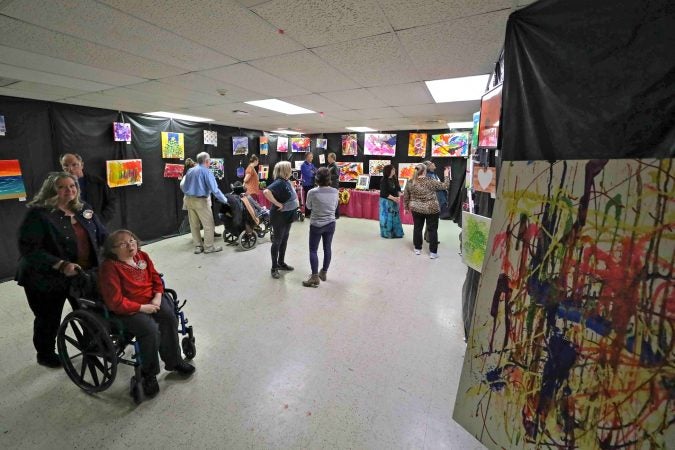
point(308, 170)
point(199, 184)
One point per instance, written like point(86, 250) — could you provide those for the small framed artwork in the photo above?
point(402, 182)
point(322, 159)
point(490, 112)
point(363, 182)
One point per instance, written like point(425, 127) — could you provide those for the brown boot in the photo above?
point(322, 275)
point(312, 282)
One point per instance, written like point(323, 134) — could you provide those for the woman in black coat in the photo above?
point(59, 236)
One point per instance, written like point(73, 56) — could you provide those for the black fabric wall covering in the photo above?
point(590, 80)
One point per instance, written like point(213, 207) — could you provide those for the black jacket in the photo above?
point(101, 198)
point(47, 237)
point(334, 175)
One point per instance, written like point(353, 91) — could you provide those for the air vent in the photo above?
point(4, 82)
point(240, 112)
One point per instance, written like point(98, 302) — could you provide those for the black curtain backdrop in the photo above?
point(39, 132)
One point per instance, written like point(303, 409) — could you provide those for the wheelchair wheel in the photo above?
point(87, 352)
point(263, 229)
point(247, 240)
point(136, 390)
point(229, 237)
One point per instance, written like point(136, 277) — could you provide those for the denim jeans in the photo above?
point(281, 230)
point(316, 234)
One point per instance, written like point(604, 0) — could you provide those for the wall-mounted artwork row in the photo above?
point(124, 172)
point(379, 144)
point(376, 166)
point(264, 145)
point(417, 145)
point(217, 167)
point(321, 144)
point(121, 132)
point(211, 138)
point(11, 180)
point(450, 145)
point(349, 145)
point(282, 144)
point(173, 170)
point(173, 145)
point(475, 233)
point(350, 171)
point(300, 144)
point(239, 145)
point(571, 342)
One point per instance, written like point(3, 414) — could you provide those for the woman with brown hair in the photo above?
point(251, 180)
point(390, 217)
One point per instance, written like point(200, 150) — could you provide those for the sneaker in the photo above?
point(286, 267)
point(213, 249)
point(275, 273)
point(183, 368)
point(49, 360)
point(312, 282)
point(198, 249)
point(433, 255)
point(322, 275)
point(150, 385)
point(418, 252)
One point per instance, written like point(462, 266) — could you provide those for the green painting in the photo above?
point(475, 231)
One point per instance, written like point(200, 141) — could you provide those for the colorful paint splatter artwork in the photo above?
point(474, 131)
point(173, 145)
point(124, 172)
point(239, 145)
point(217, 167)
point(211, 138)
point(173, 170)
point(376, 166)
point(322, 144)
point(490, 113)
point(350, 171)
point(475, 231)
point(450, 145)
point(349, 145)
point(264, 145)
point(300, 144)
point(572, 338)
point(406, 170)
point(11, 180)
point(417, 145)
point(379, 144)
point(282, 144)
point(121, 132)
point(263, 171)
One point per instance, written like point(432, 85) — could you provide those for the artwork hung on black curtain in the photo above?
point(490, 111)
point(11, 180)
point(173, 145)
point(282, 144)
point(211, 138)
point(264, 145)
point(121, 132)
point(239, 145)
point(3, 129)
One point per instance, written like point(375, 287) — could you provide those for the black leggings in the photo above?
point(432, 228)
point(281, 230)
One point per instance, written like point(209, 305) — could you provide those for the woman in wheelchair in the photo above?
point(133, 291)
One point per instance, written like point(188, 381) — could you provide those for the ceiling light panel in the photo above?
point(280, 106)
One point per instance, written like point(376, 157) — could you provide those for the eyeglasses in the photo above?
point(131, 242)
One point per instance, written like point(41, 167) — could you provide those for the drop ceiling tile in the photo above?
point(350, 114)
point(36, 76)
point(56, 91)
point(314, 102)
point(452, 110)
point(306, 69)
point(197, 82)
point(354, 99)
point(404, 14)
point(249, 77)
point(34, 95)
point(403, 94)
point(229, 109)
point(179, 93)
point(379, 113)
point(318, 22)
point(249, 3)
point(223, 25)
point(372, 61)
point(17, 34)
point(151, 98)
point(459, 48)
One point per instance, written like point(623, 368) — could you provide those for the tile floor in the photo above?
point(369, 360)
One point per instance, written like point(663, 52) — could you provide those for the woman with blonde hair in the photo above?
point(420, 198)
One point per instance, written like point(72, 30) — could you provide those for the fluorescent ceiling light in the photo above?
point(460, 125)
point(286, 132)
point(361, 129)
point(458, 89)
point(170, 115)
point(280, 106)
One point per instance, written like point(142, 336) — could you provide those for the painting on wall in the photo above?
point(124, 172)
point(263, 171)
point(282, 144)
point(490, 111)
point(297, 165)
point(376, 166)
point(362, 182)
point(173, 145)
point(264, 145)
point(450, 145)
point(322, 159)
point(173, 170)
point(3, 128)
point(11, 180)
point(417, 145)
point(239, 145)
point(484, 179)
point(121, 132)
point(300, 144)
point(474, 131)
point(406, 170)
point(379, 144)
point(475, 233)
point(402, 182)
point(350, 171)
point(321, 144)
point(211, 138)
point(571, 341)
point(217, 167)
point(349, 145)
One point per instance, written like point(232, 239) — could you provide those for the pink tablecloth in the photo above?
point(366, 205)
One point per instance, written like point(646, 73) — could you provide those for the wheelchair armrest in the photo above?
point(88, 303)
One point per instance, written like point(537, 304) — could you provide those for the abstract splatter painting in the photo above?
point(11, 180)
point(417, 145)
point(239, 145)
point(124, 172)
point(376, 166)
point(211, 138)
point(173, 170)
point(300, 144)
point(349, 145)
point(350, 171)
point(173, 145)
point(450, 145)
point(322, 144)
point(475, 231)
point(406, 170)
point(573, 336)
point(264, 145)
point(379, 144)
point(121, 132)
point(474, 131)
point(217, 167)
point(282, 144)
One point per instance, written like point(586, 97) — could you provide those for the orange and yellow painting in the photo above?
point(124, 172)
point(11, 180)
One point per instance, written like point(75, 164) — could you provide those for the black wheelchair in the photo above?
point(91, 345)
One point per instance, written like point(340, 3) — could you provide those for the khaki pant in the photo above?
point(199, 212)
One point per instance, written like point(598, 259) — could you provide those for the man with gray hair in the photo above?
point(198, 186)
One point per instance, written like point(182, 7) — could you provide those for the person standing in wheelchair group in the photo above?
point(59, 237)
point(133, 291)
point(284, 208)
point(308, 171)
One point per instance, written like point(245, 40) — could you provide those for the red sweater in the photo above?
point(125, 288)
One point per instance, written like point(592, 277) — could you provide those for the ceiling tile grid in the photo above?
point(354, 99)
point(403, 94)
point(314, 102)
point(199, 83)
point(403, 14)
point(248, 77)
